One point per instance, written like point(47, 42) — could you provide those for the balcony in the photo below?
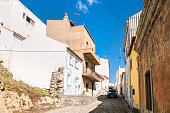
point(88, 73)
point(94, 59)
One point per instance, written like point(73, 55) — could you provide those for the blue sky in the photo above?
point(105, 20)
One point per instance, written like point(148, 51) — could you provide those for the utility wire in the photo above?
point(59, 51)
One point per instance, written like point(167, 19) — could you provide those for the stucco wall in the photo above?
point(103, 68)
point(35, 68)
point(154, 55)
point(89, 92)
point(134, 78)
point(118, 78)
point(11, 14)
point(75, 74)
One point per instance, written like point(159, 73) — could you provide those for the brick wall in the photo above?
point(154, 55)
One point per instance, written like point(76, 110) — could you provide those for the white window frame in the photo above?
point(71, 60)
point(76, 64)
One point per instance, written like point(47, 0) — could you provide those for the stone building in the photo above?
point(152, 46)
point(80, 41)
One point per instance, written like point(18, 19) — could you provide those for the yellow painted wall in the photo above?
point(134, 77)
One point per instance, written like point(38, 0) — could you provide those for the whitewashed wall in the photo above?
point(102, 69)
point(118, 78)
point(98, 87)
point(36, 67)
point(11, 15)
point(73, 86)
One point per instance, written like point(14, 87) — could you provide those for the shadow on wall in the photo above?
point(111, 105)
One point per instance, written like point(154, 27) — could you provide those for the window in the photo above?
point(87, 44)
point(18, 36)
point(24, 15)
point(29, 20)
point(76, 64)
point(131, 64)
point(71, 60)
point(92, 69)
point(148, 91)
point(86, 66)
point(87, 87)
point(68, 79)
point(133, 91)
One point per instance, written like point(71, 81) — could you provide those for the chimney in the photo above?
point(65, 16)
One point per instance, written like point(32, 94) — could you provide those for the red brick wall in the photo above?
point(154, 56)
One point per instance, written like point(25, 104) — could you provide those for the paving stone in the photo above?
point(101, 105)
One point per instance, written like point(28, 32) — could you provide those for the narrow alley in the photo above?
point(101, 105)
point(70, 56)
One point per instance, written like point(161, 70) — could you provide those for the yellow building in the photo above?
point(134, 74)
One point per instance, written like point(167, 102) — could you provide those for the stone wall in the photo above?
point(18, 97)
point(57, 82)
point(12, 102)
point(153, 47)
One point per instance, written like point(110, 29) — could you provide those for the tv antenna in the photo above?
point(75, 17)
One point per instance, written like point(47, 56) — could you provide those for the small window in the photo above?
point(68, 79)
point(133, 91)
point(29, 20)
point(71, 60)
point(130, 64)
point(87, 87)
point(76, 64)
point(86, 65)
point(87, 44)
point(148, 91)
point(24, 15)
point(93, 69)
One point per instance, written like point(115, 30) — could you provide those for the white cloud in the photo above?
point(81, 6)
point(92, 1)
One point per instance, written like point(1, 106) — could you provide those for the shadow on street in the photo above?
point(111, 105)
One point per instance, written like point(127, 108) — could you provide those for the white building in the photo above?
point(103, 71)
point(30, 55)
point(111, 85)
point(118, 79)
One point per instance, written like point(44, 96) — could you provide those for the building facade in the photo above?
point(103, 69)
point(30, 55)
point(134, 79)
point(131, 27)
point(123, 83)
point(99, 85)
point(80, 41)
point(152, 46)
point(118, 77)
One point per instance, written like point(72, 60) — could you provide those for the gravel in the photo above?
point(101, 105)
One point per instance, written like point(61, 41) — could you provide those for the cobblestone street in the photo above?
point(101, 105)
